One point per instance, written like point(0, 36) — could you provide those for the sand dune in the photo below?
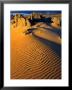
point(31, 59)
point(41, 25)
point(48, 35)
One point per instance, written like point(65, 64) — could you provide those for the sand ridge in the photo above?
point(30, 57)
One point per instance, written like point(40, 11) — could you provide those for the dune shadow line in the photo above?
point(56, 47)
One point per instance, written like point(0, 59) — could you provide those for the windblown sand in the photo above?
point(32, 59)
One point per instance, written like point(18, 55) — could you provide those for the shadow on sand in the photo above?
point(54, 46)
point(56, 31)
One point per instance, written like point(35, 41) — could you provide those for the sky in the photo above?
point(29, 12)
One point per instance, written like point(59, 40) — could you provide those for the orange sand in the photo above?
point(31, 59)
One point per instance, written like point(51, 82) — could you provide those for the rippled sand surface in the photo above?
point(32, 59)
